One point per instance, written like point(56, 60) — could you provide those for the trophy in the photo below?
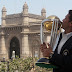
point(54, 26)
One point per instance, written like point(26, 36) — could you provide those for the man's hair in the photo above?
point(70, 13)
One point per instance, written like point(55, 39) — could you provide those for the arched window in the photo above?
point(35, 48)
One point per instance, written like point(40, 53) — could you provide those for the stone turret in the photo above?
point(25, 8)
point(43, 12)
point(4, 11)
point(3, 16)
point(25, 14)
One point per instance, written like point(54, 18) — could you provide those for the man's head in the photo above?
point(67, 22)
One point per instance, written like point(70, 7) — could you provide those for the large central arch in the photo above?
point(14, 46)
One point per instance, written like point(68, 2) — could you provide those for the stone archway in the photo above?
point(14, 46)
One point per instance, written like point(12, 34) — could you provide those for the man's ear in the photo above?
point(71, 23)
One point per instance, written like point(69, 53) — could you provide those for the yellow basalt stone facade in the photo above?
point(21, 33)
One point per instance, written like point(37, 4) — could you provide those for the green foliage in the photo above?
point(21, 64)
point(3, 66)
point(39, 69)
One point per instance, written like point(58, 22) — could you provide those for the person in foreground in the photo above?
point(62, 55)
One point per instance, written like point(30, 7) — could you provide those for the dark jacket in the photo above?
point(63, 60)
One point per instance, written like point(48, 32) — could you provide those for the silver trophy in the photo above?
point(53, 25)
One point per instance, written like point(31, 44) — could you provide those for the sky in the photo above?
point(53, 7)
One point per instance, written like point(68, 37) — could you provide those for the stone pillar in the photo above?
point(0, 43)
point(3, 52)
point(3, 16)
point(25, 31)
point(25, 46)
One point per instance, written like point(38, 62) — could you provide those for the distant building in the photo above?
point(21, 33)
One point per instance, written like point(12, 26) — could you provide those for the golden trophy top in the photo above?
point(49, 21)
point(53, 17)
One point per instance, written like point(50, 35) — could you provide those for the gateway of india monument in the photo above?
point(21, 33)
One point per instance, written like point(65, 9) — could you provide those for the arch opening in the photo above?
point(14, 46)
